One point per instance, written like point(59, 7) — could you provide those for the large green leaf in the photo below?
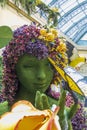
point(6, 35)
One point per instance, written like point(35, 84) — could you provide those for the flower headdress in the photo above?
point(34, 40)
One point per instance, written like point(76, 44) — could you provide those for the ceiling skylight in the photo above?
point(73, 19)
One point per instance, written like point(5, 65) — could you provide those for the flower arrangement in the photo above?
point(33, 40)
point(79, 119)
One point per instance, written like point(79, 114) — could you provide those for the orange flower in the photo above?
point(24, 116)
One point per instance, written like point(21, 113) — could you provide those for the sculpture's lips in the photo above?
point(41, 85)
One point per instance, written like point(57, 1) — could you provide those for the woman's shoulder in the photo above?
point(4, 107)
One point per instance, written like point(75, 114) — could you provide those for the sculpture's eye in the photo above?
point(48, 65)
point(28, 66)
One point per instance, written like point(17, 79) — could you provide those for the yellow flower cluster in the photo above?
point(62, 51)
point(48, 35)
point(58, 50)
point(61, 47)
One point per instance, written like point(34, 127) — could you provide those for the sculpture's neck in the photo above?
point(24, 94)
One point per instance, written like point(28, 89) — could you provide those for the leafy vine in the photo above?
point(31, 7)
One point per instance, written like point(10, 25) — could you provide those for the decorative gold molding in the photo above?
point(22, 12)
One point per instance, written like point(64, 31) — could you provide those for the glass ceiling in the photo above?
point(73, 19)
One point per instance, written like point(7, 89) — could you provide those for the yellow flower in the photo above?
point(61, 47)
point(41, 37)
point(38, 2)
point(49, 37)
point(43, 32)
point(55, 9)
point(54, 31)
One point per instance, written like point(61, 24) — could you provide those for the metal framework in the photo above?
point(73, 19)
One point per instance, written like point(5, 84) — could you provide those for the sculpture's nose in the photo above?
point(41, 74)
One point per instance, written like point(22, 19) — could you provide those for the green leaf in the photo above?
point(6, 35)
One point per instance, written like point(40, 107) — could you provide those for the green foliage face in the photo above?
point(5, 35)
point(34, 75)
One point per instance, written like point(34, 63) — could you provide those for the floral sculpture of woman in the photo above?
point(28, 73)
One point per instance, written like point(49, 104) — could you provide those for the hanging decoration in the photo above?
point(32, 6)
